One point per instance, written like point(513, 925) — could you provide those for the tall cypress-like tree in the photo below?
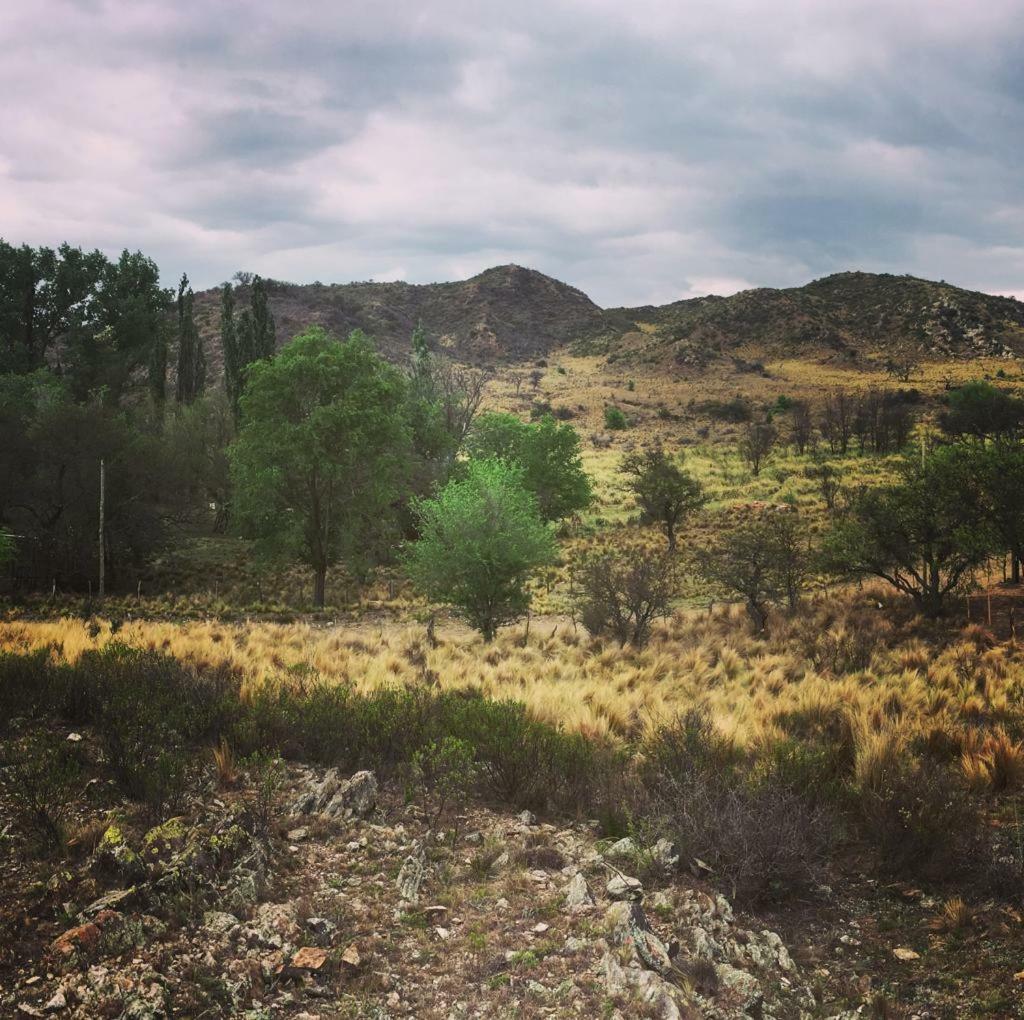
point(191, 356)
point(264, 332)
point(233, 356)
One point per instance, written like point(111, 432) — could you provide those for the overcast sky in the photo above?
point(643, 150)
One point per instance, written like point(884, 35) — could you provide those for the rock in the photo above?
point(340, 798)
point(113, 900)
point(77, 940)
point(665, 854)
point(622, 887)
point(309, 958)
point(113, 854)
point(219, 922)
point(527, 818)
point(738, 981)
point(410, 877)
point(26, 1009)
point(351, 958)
point(577, 894)
point(323, 930)
point(74, 738)
point(622, 848)
point(298, 835)
point(540, 927)
point(906, 955)
point(57, 1002)
point(163, 841)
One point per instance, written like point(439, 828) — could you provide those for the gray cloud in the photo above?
point(643, 152)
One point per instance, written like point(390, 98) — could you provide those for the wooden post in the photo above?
point(990, 609)
point(103, 493)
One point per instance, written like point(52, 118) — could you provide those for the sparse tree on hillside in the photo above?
point(801, 428)
point(837, 412)
point(980, 411)
point(548, 453)
point(923, 535)
point(764, 558)
point(903, 360)
point(481, 538)
point(665, 491)
point(322, 451)
point(622, 592)
point(757, 444)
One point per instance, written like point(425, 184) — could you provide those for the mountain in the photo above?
point(846, 316)
point(504, 313)
point(510, 313)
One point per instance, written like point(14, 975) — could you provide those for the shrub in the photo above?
point(614, 419)
point(623, 592)
point(41, 781)
point(449, 769)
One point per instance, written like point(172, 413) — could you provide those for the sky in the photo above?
point(643, 151)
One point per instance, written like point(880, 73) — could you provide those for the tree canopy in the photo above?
point(480, 540)
point(547, 452)
point(318, 462)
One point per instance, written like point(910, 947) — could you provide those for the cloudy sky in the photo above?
point(643, 150)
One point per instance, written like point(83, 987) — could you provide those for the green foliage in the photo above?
point(764, 557)
point(319, 460)
point(923, 534)
point(622, 592)
point(191, 353)
point(480, 540)
point(252, 337)
point(979, 410)
point(548, 454)
point(449, 768)
point(105, 316)
point(614, 419)
point(50, 452)
point(665, 492)
point(266, 772)
point(41, 781)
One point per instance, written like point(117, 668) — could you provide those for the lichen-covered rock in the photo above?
point(114, 855)
point(335, 797)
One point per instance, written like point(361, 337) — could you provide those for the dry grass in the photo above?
point(850, 665)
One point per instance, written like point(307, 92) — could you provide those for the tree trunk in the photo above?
point(319, 585)
point(670, 534)
point(1014, 569)
point(758, 615)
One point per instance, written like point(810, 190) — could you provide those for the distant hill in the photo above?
point(509, 313)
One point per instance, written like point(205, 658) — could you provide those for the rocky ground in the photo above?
point(303, 893)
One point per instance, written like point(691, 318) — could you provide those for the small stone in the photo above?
point(322, 929)
point(57, 1002)
point(577, 894)
point(297, 835)
point(74, 738)
point(906, 955)
point(622, 887)
point(442, 933)
point(309, 958)
point(527, 818)
point(74, 940)
point(624, 847)
point(351, 958)
point(540, 928)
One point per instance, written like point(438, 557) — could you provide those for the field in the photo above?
point(858, 784)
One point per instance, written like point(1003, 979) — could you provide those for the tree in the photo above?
point(903, 360)
point(801, 427)
point(480, 540)
point(923, 534)
point(320, 457)
point(622, 592)
point(191, 356)
point(548, 453)
point(665, 491)
point(264, 331)
point(978, 410)
point(443, 399)
point(996, 474)
point(764, 558)
point(757, 444)
point(837, 420)
point(614, 419)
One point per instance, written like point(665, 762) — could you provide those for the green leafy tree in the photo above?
point(665, 492)
point(614, 419)
point(320, 457)
point(480, 540)
point(978, 410)
point(191, 356)
point(548, 453)
point(765, 558)
point(923, 535)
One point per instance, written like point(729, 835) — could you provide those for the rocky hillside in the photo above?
point(513, 314)
point(504, 313)
point(848, 316)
